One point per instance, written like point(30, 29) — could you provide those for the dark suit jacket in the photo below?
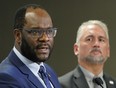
point(15, 74)
point(76, 79)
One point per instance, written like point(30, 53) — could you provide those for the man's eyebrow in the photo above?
point(88, 36)
point(40, 28)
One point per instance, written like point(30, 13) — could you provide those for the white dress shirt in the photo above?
point(89, 77)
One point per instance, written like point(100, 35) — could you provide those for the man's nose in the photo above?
point(44, 37)
point(96, 43)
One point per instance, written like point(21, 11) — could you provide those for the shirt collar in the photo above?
point(89, 75)
point(33, 66)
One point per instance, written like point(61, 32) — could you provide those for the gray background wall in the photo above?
point(67, 16)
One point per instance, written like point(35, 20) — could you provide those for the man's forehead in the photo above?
point(31, 9)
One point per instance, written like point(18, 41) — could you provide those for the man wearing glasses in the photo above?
point(34, 36)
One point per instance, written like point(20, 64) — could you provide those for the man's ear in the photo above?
point(17, 35)
point(76, 49)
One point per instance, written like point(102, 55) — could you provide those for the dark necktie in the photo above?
point(98, 81)
point(44, 77)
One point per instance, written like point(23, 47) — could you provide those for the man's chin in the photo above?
point(42, 58)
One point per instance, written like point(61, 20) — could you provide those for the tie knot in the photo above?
point(42, 69)
point(44, 76)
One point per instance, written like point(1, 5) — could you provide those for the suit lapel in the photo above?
point(53, 81)
point(52, 77)
point(24, 70)
point(109, 82)
point(79, 79)
point(35, 81)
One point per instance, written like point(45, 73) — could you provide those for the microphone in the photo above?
point(98, 81)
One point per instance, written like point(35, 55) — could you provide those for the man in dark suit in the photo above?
point(34, 38)
point(92, 50)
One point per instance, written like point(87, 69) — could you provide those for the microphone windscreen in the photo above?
point(98, 81)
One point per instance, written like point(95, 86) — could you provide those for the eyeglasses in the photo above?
point(37, 33)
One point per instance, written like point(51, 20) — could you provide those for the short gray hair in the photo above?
point(91, 22)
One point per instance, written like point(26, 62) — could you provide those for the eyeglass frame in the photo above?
point(39, 35)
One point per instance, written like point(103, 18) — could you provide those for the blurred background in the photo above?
point(67, 16)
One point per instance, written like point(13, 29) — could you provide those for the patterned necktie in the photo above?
point(98, 83)
point(44, 77)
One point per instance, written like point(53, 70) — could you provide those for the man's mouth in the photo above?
point(96, 52)
point(43, 49)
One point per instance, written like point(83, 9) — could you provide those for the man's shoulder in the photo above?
point(109, 77)
point(70, 74)
point(67, 78)
point(8, 69)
